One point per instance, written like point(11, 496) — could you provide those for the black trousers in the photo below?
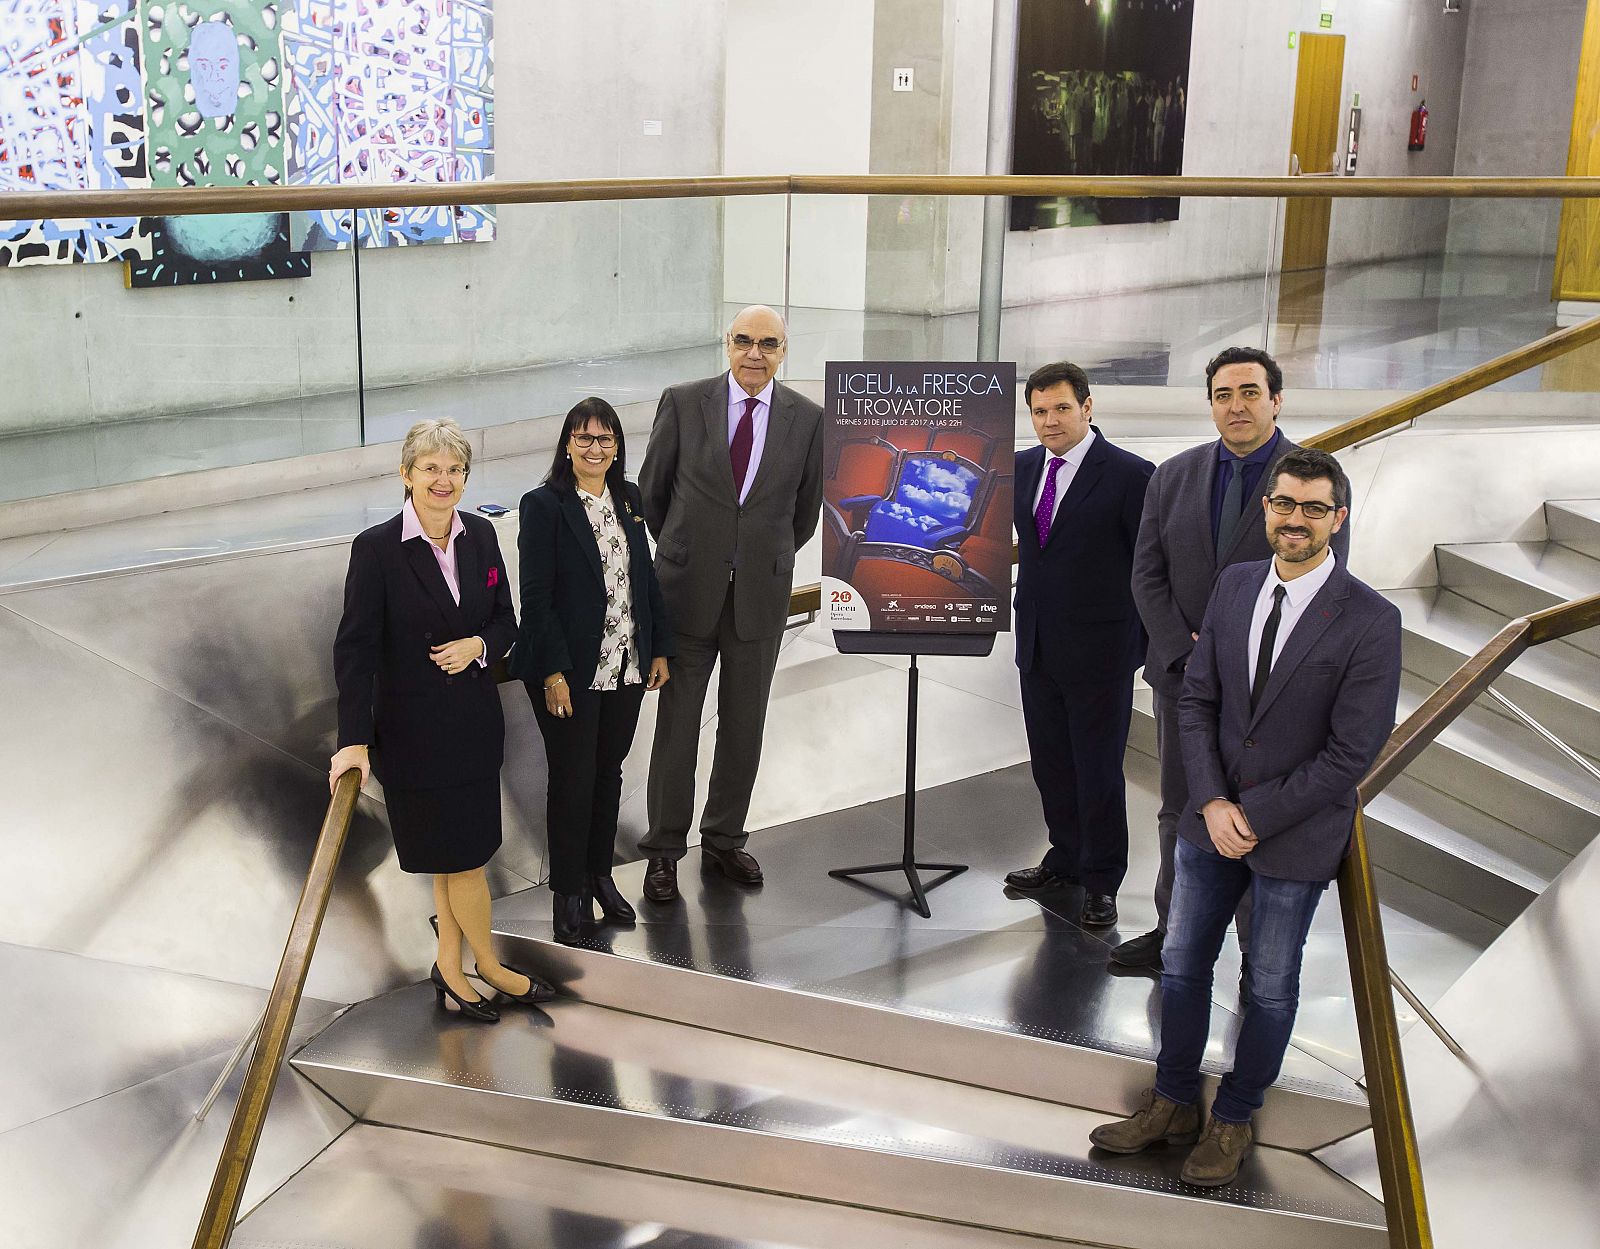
point(584, 754)
point(1077, 734)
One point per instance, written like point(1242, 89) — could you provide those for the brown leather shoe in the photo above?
point(736, 865)
point(661, 879)
point(1157, 1122)
point(1216, 1160)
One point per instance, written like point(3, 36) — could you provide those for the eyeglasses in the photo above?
point(604, 441)
point(455, 472)
point(768, 346)
point(1283, 505)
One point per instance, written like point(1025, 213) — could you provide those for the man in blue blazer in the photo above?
point(1288, 696)
point(1079, 640)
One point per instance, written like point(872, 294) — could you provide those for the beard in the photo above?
point(1289, 554)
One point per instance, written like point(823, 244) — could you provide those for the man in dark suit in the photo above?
point(1078, 502)
point(1289, 695)
point(732, 484)
point(1200, 516)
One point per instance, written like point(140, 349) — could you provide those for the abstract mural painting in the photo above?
point(390, 91)
point(115, 94)
point(215, 103)
point(71, 119)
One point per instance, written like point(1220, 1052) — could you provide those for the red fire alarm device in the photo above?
point(1419, 128)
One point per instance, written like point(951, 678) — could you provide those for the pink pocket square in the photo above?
point(494, 578)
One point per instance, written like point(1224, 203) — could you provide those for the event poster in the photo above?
point(916, 514)
point(1102, 89)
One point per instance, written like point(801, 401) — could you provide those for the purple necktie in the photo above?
point(744, 437)
point(1045, 512)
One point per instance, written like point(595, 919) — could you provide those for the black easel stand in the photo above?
point(908, 860)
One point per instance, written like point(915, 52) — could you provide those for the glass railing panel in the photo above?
point(618, 299)
point(219, 348)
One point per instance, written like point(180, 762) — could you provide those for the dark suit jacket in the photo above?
point(1175, 563)
point(1325, 713)
point(1074, 604)
point(702, 530)
point(427, 730)
point(564, 600)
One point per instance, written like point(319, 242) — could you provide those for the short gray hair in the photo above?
point(430, 437)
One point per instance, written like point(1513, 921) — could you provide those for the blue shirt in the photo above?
point(1255, 464)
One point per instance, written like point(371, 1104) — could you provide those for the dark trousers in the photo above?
point(1207, 889)
point(1174, 793)
point(584, 754)
point(1076, 738)
point(743, 688)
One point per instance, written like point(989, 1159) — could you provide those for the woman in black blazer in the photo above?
point(594, 638)
point(427, 608)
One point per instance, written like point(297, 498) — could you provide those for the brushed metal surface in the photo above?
point(129, 1170)
point(1515, 578)
point(1508, 1143)
point(384, 1188)
point(994, 990)
point(1575, 523)
point(81, 1029)
point(596, 1084)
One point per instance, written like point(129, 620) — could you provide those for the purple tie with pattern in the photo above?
point(1045, 512)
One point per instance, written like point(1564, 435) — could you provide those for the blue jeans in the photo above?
point(1204, 896)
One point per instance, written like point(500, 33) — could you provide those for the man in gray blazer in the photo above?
point(1200, 516)
point(732, 484)
point(1289, 695)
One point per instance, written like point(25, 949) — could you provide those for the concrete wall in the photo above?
point(574, 85)
point(798, 101)
point(1516, 118)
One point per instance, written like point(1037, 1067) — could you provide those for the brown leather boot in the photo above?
point(1216, 1160)
point(1157, 1122)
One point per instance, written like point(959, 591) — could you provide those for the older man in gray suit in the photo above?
point(732, 484)
point(1289, 695)
point(1201, 514)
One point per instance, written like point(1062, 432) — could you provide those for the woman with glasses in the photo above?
point(594, 638)
point(427, 609)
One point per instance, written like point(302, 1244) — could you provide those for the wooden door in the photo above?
point(1314, 139)
point(1578, 248)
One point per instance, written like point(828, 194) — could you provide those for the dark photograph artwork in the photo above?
point(1102, 89)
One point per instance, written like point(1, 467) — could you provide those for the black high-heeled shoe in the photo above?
point(538, 992)
point(613, 905)
point(480, 1010)
point(568, 914)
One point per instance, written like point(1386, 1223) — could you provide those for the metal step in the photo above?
point(1458, 852)
point(1515, 578)
point(1028, 1009)
point(646, 1094)
point(1575, 523)
point(386, 1188)
point(1504, 770)
point(1556, 683)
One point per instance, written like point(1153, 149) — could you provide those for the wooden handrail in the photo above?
point(200, 201)
point(261, 1076)
point(1477, 378)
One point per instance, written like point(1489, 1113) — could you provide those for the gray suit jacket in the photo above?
point(702, 532)
point(1175, 563)
point(1292, 763)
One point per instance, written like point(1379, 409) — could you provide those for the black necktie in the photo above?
point(1232, 506)
point(1269, 639)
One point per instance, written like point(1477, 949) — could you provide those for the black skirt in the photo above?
point(437, 831)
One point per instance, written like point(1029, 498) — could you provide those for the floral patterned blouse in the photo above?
point(616, 640)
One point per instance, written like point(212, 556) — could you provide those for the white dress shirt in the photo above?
point(758, 422)
point(1298, 593)
point(1070, 463)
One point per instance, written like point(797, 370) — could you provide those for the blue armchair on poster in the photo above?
point(930, 504)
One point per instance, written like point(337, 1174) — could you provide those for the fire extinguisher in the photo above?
point(1419, 128)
